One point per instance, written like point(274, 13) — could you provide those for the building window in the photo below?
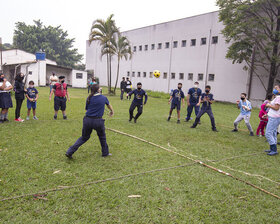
point(79, 75)
point(167, 45)
point(203, 41)
point(151, 74)
point(144, 74)
point(139, 74)
point(159, 46)
point(133, 74)
point(134, 49)
point(146, 47)
point(211, 77)
point(193, 42)
point(140, 48)
point(153, 46)
point(200, 77)
point(184, 43)
point(172, 75)
point(165, 75)
point(128, 74)
point(175, 44)
point(30, 73)
point(181, 75)
point(190, 76)
point(215, 40)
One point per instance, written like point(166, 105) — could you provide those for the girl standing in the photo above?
point(5, 98)
point(19, 95)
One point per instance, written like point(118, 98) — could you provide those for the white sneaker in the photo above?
point(27, 118)
point(35, 118)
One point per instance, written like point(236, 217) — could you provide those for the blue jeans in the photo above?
point(190, 110)
point(271, 130)
point(90, 124)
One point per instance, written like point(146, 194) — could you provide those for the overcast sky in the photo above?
point(76, 16)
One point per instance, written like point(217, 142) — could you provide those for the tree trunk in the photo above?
point(108, 81)
point(273, 64)
point(118, 71)
point(110, 73)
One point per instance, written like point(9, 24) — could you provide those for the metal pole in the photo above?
point(207, 58)
point(1, 53)
point(170, 63)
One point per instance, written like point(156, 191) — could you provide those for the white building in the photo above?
point(185, 50)
point(39, 71)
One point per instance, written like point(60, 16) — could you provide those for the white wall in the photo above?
point(79, 83)
point(230, 79)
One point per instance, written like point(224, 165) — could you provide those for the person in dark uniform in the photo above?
point(206, 99)
point(193, 100)
point(95, 106)
point(5, 98)
point(176, 97)
point(123, 87)
point(139, 94)
point(61, 92)
point(128, 88)
point(19, 95)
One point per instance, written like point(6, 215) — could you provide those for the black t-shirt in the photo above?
point(19, 90)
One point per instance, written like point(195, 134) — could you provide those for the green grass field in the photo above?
point(32, 160)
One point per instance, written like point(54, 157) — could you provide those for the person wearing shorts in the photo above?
point(32, 96)
point(175, 99)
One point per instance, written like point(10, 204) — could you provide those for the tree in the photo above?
point(52, 40)
point(252, 27)
point(121, 49)
point(105, 32)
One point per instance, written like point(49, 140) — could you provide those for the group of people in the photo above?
point(95, 105)
point(58, 87)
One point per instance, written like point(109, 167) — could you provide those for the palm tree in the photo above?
point(121, 49)
point(105, 32)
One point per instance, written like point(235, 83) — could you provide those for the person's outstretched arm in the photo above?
point(111, 110)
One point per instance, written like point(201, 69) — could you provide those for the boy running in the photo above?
point(176, 97)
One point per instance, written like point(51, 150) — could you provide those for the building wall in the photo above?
point(58, 71)
point(229, 79)
point(79, 82)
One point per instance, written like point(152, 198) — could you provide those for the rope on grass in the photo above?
point(60, 188)
point(196, 161)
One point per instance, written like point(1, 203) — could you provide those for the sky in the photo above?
point(76, 16)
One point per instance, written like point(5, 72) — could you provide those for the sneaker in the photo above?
point(251, 134)
point(168, 119)
point(27, 118)
point(6, 120)
point(272, 153)
point(235, 130)
point(214, 129)
point(19, 120)
point(35, 118)
point(110, 154)
point(199, 122)
point(65, 117)
point(69, 156)
point(134, 120)
point(178, 122)
point(1, 121)
point(187, 120)
point(54, 117)
point(267, 150)
point(193, 127)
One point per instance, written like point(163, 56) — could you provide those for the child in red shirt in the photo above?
point(263, 116)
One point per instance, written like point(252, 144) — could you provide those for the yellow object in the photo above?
point(156, 73)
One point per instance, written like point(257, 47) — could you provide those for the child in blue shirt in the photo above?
point(139, 94)
point(245, 113)
point(175, 99)
point(207, 100)
point(32, 97)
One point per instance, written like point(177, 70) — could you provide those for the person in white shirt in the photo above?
point(53, 80)
point(273, 122)
point(5, 98)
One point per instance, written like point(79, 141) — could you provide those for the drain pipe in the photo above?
point(207, 58)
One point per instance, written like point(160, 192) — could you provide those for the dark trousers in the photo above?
point(132, 108)
point(128, 91)
point(90, 124)
point(122, 92)
point(190, 110)
point(202, 111)
point(18, 107)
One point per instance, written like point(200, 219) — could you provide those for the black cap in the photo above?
point(139, 83)
point(61, 77)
